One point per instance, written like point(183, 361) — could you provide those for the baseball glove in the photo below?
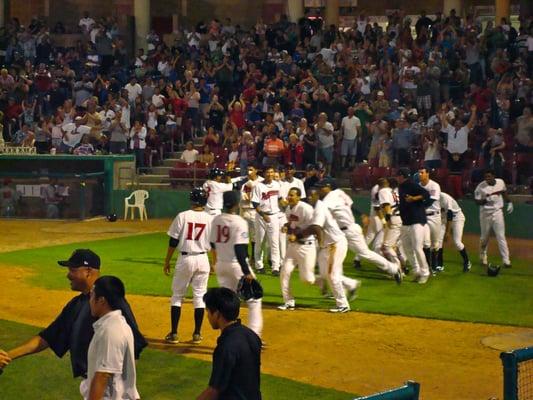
point(493, 270)
point(249, 290)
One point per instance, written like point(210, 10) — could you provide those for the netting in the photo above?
point(525, 380)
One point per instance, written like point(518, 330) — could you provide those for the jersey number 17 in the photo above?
point(196, 229)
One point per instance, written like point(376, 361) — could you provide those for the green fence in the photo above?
point(518, 374)
point(166, 204)
point(410, 391)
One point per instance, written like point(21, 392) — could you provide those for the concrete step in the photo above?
point(153, 178)
point(162, 170)
point(150, 185)
point(170, 162)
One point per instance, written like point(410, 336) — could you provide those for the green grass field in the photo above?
point(161, 375)
point(453, 295)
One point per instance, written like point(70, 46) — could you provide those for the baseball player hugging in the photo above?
point(265, 198)
point(453, 220)
point(301, 252)
point(189, 233)
point(229, 240)
point(247, 208)
point(214, 187)
point(432, 227)
point(392, 222)
point(490, 196)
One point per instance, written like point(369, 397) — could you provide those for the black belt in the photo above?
point(308, 242)
point(184, 253)
point(433, 213)
point(344, 228)
point(264, 213)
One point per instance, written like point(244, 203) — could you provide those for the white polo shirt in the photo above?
point(112, 351)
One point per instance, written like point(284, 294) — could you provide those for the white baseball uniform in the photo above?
point(340, 206)
point(391, 230)
point(247, 209)
point(215, 191)
point(374, 232)
point(267, 196)
point(432, 228)
point(284, 192)
point(331, 254)
point(191, 229)
point(227, 230)
point(301, 253)
point(491, 217)
point(448, 205)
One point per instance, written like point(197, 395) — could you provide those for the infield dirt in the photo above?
point(356, 352)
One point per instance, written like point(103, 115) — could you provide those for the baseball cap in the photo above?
point(380, 93)
point(327, 181)
point(289, 166)
point(310, 167)
point(230, 199)
point(82, 258)
point(405, 172)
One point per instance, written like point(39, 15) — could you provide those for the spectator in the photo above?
point(138, 143)
point(350, 135)
point(73, 132)
point(206, 156)
point(86, 23)
point(524, 132)
point(432, 147)
point(246, 152)
point(326, 141)
point(190, 154)
point(309, 140)
point(402, 139)
point(84, 148)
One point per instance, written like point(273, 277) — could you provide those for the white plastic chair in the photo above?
point(139, 196)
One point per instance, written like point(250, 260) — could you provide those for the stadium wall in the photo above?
point(166, 204)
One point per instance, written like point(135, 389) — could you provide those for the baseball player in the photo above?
point(453, 220)
point(333, 248)
point(374, 232)
point(247, 209)
point(214, 187)
point(432, 227)
point(391, 220)
point(490, 195)
point(229, 240)
point(279, 175)
point(413, 198)
point(265, 198)
point(291, 181)
point(190, 232)
point(339, 204)
point(300, 253)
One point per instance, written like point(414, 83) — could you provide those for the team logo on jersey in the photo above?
point(293, 217)
point(269, 194)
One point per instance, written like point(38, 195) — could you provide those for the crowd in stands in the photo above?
point(440, 91)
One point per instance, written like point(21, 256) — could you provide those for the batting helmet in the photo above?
point(214, 172)
point(112, 217)
point(249, 290)
point(198, 196)
point(493, 270)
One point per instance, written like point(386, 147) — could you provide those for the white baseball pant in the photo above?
point(432, 231)
point(391, 239)
point(330, 264)
point(493, 220)
point(190, 270)
point(228, 276)
point(457, 225)
point(270, 231)
point(374, 232)
point(357, 243)
point(302, 256)
point(249, 215)
point(282, 237)
point(412, 237)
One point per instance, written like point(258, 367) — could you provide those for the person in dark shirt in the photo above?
point(237, 358)
point(413, 201)
point(72, 330)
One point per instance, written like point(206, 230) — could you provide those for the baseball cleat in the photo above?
point(507, 266)
point(275, 273)
point(286, 307)
point(172, 338)
point(353, 293)
point(357, 264)
point(398, 277)
point(422, 279)
point(197, 338)
point(439, 268)
point(339, 310)
point(467, 266)
point(261, 271)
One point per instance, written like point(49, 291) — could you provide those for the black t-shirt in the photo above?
point(415, 212)
point(73, 330)
point(236, 364)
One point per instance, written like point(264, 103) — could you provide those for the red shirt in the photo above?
point(13, 111)
point(237, 117)
point(179, 106)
